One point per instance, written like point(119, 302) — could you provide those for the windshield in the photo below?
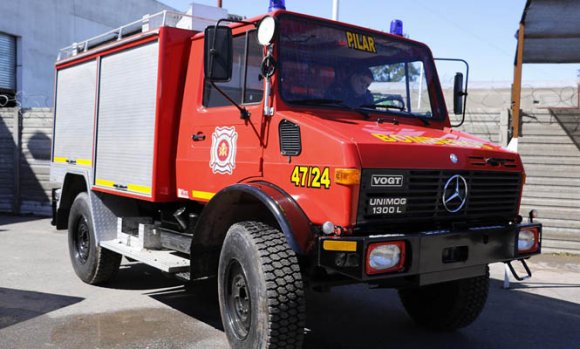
point(337, 66)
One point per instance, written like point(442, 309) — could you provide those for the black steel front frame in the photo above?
point(431, 256)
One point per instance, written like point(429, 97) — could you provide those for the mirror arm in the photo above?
point(244, 113)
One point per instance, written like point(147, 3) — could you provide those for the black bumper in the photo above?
point(430, 257)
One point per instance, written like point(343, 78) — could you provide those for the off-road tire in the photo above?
point(92, 264)
point(256, 258)
point(447, 306)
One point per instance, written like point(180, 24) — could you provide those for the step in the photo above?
point(537, 131)
point(562, 151)
point(550, 160)
point(551, 202)
point(551, 212)
point(553, 172)
point(163, 260)
point(553, 181)
point(562, 246)
point(546, 139)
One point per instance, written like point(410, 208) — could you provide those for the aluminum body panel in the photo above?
point(126, 119)
point(75, 114)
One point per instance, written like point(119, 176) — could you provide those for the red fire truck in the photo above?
point(276, 154)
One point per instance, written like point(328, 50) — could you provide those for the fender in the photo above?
point(297, 228)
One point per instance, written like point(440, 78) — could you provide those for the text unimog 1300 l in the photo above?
point(224, 154)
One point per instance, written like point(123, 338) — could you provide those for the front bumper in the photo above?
point(431, 256)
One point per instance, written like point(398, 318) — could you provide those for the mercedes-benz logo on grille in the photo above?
point(455, 193)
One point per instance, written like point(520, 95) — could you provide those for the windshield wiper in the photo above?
point(329, 101)
point(398, 112)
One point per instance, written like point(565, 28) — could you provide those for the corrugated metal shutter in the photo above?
point(550, 149)
point(75, 113)
point(126, 120)
point(7, 62)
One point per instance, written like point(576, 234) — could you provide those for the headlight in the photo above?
point(528, 240)
point(385, 257)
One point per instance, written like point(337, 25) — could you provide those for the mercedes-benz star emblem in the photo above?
point(455, 193)
point(453, 158)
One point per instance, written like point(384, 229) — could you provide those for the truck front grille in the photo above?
point(492, 197)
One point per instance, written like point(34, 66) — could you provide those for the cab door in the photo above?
point(224, 148)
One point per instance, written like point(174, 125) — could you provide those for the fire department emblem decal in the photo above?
point(223, 150)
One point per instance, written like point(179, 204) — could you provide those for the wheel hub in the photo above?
point(239, 301)
point(82, 241)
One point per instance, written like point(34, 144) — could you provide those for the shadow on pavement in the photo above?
point(18, 305)
point(138, 276)
point(6, 218)
point(537, 285)
point(358, 317)
point(199, 301)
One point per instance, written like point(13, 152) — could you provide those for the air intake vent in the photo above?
point(290, 142)
point(492, 162)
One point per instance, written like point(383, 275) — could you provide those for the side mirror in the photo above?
point(218, 53)
point(458, 94)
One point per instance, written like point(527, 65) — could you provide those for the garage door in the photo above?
point(7, 62)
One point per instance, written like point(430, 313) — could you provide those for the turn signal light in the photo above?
point(347, 176)
point(384, 257)
point(528, 240)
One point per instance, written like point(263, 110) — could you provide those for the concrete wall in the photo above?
point(42, 27)
point(8, 153)
point(25, 139)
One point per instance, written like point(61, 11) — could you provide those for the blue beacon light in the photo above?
point(277, 5)
point(397, 27)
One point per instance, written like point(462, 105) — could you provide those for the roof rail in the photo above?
point(147, 23)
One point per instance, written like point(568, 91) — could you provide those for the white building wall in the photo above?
point(42, 27)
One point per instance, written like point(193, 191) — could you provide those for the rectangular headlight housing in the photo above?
point(385, 257)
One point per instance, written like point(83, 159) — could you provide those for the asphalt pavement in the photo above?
point(44, 305)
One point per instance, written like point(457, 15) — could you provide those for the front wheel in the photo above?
point(260, 288)
point(447, 306)
point(92, 264)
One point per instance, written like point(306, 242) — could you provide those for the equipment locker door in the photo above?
point(126, 120)
point(75, 114)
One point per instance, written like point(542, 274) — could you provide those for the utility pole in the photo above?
point(335, 10)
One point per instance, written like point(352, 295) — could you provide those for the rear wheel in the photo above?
point(447, 306)
point(260, 289)
point(92, 264)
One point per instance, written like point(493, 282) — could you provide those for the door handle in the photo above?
point(198, 137)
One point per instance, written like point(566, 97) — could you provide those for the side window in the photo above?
point(245, 82)
point(254, 87)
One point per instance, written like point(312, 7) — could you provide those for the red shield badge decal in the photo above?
point(223, 150)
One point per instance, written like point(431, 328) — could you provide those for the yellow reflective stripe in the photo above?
point(136, 188)
point(334, 245)
point(143, 189)
point(202, 194)
point(105, 183)
point(85, 162)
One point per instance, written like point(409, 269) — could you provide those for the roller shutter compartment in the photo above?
point(75, 114)
point(126, 120)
